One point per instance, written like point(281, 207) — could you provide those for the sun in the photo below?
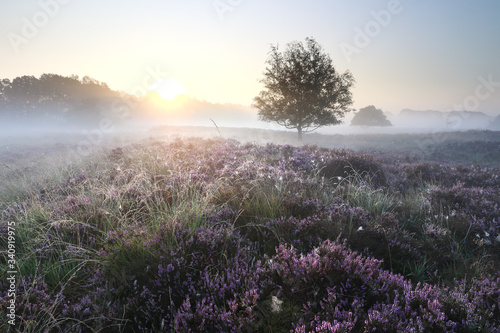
point(169, 89)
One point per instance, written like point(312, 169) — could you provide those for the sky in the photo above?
point(418, 54)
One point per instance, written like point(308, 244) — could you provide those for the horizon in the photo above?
point(402, 54)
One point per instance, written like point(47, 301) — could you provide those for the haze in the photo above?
point(424, 55)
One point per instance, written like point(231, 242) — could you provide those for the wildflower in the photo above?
point(276, 304)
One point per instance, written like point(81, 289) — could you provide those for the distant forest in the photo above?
point(71, 102)
point(58, 98)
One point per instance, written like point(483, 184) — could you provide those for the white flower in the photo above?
point(276, 304)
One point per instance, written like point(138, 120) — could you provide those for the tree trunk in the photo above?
point(299, 133)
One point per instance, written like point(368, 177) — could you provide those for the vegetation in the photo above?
point(370, 116)
point(303, 90)
point(217, 236)
point(55, 98)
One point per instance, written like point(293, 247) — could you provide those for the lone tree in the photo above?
point(370, 116)
point(303, 90)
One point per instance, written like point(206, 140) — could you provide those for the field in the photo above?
point(228, 232)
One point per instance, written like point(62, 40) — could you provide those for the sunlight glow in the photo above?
point(169, 89)
point(172, 106)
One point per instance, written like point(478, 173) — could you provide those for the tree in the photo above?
point(303, 91)
point(370, 116)
point(24, 95)
point(4, 87)
point(55, 96)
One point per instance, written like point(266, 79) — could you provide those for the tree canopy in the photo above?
point(54, 96)
point(370, 116)
point(303, 90)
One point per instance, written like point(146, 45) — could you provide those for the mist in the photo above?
point(83, 115)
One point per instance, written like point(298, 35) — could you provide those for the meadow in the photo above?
point(174, 233)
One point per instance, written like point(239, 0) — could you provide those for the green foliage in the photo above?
point(370, 116)
point(303, 90)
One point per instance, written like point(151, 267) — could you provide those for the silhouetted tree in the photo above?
point(4, 86)
point(303, 91)
point(54, 95)
point(23, 95)
point(370, 116)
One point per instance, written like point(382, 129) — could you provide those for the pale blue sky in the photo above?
point(427, 55)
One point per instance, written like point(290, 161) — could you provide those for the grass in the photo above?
point(169, 234)
point(358, 190)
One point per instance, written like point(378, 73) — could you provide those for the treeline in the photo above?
point(58, 99)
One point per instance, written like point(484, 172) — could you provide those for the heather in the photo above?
point(214, 235)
